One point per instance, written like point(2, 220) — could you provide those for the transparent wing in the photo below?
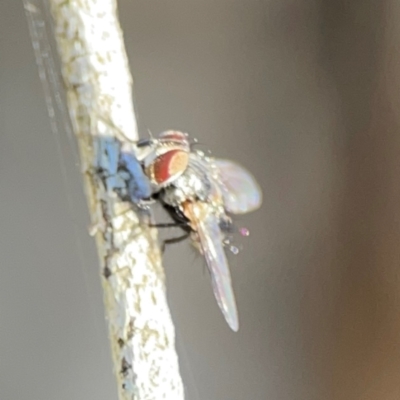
point(240, 190)
point(205, 223)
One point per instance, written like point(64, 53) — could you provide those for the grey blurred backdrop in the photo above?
point(304, 93)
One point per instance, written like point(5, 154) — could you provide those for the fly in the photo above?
point(201, 193)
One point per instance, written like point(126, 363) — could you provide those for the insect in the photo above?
point(201, 193)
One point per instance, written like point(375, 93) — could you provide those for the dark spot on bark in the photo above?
point(130, 330)
point(121, 342)
point(107, 272)
point(103, 206)
point(125, 367)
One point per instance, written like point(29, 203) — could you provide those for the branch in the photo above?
point(98, 88)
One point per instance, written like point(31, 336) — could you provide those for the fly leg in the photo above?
point(169, 225)
point(174, 240)
point(177, 239)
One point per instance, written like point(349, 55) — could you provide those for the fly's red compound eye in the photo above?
point(168, 166)
point(174, 136)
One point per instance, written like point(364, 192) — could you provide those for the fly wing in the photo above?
point(240, 190)
point(205, 224)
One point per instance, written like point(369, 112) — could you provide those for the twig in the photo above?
point(98, 87)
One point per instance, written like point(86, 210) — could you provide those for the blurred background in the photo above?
point(305, 94)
